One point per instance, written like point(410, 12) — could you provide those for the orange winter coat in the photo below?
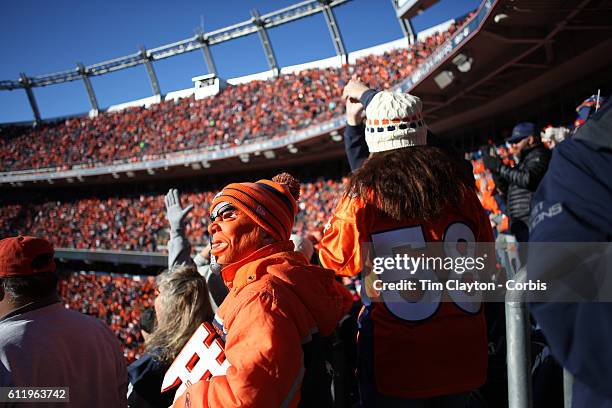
point(276, 301)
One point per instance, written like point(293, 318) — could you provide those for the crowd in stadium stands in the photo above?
point(138, 223)
point(236, 115)
point(488, 195)
point(239, 114)
point(119, 300)
point(116, 300)
point(9, 216)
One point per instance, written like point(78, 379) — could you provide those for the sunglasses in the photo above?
point(221, 209)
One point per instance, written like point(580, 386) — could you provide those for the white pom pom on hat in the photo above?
point(393, 121)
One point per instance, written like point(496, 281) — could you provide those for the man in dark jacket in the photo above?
point(519, 183)
point(572, 205)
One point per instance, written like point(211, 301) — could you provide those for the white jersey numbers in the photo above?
point(421, 299)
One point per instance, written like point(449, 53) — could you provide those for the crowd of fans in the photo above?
point(117, 300)
point(138, 223)
point(236, 115)
point(239, 114)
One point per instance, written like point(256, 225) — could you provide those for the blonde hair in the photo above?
point(184, 305)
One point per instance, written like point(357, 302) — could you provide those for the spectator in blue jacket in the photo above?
point(573, 204)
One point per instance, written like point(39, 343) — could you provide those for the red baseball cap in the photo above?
point(18, 255)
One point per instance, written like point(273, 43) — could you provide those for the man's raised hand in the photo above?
point(354, 89)
point(174, 212)
point(352, 93)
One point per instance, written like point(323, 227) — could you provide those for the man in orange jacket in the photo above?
point(277, 301)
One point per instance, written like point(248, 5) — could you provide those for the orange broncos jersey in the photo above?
point(408, 351)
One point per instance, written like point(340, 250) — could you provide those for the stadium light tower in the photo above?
point(25, 82)
point(265, 41)
point(257, 24)
point(334, 29)
point(405, 23)
point(150, 71)
point(90, 91)
point(210, 63)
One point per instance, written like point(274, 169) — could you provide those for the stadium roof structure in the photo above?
point(507, 56)
point(406, 9)
point(523, 51)
point(257, 24)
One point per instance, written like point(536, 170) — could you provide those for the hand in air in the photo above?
point(174, 212)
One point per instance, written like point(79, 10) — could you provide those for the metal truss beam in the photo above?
point(210, 63)
point(512, 36)
point(295, 12)
point(530, 65)
point(25, 82)
point(90, 91)
point(406, 25)
point(150, 71)
point(408, 30)
point(334, 30)
point(265, 41)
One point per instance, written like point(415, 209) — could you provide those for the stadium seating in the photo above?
point(115, 299)
point(138, 223)
point(241, 113)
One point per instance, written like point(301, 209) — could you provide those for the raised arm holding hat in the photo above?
point(358, 97)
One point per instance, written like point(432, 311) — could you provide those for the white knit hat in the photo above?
point(394, 120)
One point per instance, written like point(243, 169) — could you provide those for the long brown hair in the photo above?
point(411, 183)
point(184, 306)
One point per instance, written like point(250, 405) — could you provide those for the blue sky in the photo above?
point(41, 37)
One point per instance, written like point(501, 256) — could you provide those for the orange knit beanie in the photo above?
point(272, 204)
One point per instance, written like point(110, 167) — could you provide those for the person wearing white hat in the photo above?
point(419, 353)
point(358, 97)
